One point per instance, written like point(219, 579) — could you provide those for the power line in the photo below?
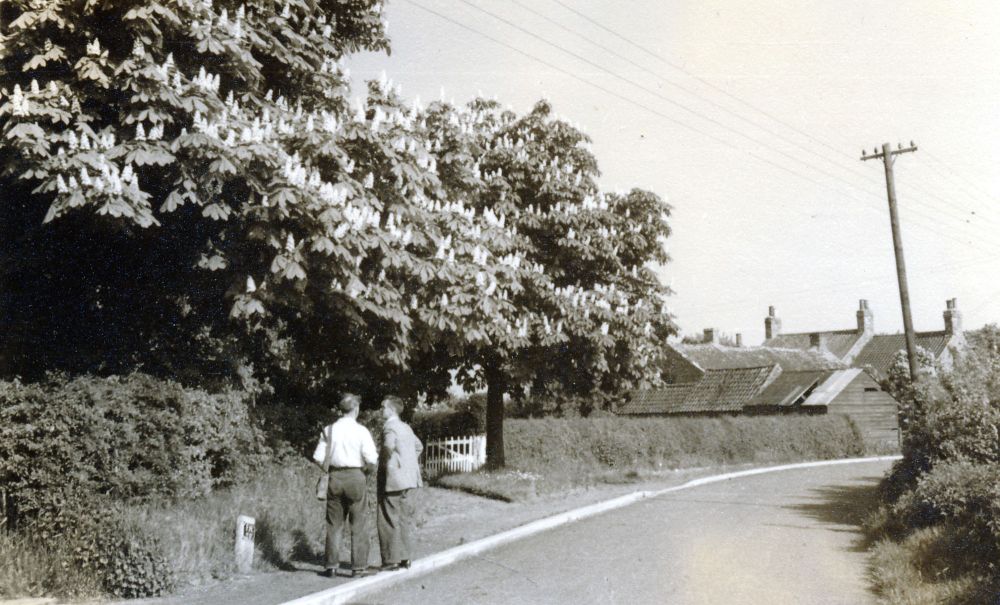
point(956, 178)
point(662, 115)
point(696, 94)
point(726, 93)
point(615, 94)
point(653, 92)
point(839, 286)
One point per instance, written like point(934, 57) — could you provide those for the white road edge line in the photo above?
point(338, 595)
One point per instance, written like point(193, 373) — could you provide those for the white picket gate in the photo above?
point(454, 454)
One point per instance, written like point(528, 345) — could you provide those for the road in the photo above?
point(786, 537)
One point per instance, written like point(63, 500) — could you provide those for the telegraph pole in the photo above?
point(886, 155)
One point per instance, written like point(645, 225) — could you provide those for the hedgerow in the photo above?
point(947, 484)
point(74, 451)
point(615, 442)
point(124, 437)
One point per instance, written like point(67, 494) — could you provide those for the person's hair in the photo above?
point(395, 402)
point(349, 402)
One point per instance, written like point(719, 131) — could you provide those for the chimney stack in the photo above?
point(952, 317)
point(772, 325)
point(866, 320)
point(711, 336)
point(817, 341)
point(739, 339)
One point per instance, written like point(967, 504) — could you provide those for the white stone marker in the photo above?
point(245, 527)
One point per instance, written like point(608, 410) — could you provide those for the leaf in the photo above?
point(322, 244)
point(52, 213)
point(217, 212)
point(222, 166)
point(173, 202)
point(293, 270)
point(212, 263)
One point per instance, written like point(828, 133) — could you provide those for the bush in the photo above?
point(963, 493)
point(126, 437)
point(615, 442)
point(465, 416)
point(92, 540)
point(946, 489)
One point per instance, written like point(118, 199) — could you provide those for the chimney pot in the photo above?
point(711, 336)
point(739, 339)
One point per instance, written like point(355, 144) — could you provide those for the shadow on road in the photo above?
point(847, 504)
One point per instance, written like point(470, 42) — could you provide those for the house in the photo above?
point(712, 379)
point(861, 347)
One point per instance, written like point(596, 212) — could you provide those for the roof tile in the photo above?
point(718, 391)
point(881, 351)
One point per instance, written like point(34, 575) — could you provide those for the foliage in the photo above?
point(963, 494)
point(207, 160)
point(172, 150)
point(588, 313)
point(554, 455)
point(91, 539)
point(124, 437)
point(33, 569)
point(947, 479)
point(464, 417)
point(546, 445)
point(934, 565)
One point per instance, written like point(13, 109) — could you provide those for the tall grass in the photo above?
point(198, 536)
point(930, 566)
point(30, 568)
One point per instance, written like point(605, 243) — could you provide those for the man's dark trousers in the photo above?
point(347, 498)
point(395, 518)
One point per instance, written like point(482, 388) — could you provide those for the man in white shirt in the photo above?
point(347, 451)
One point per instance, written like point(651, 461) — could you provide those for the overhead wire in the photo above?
point(833, 287)
point(509, 23)
point(723, 91)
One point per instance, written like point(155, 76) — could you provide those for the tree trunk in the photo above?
point(494, 417)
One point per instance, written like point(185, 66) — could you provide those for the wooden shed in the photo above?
point(852, 392)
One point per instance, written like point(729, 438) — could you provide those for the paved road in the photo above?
point(787, 537)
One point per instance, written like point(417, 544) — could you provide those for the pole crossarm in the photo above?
point(879, 154)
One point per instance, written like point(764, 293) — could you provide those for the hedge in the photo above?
point(616, 442)
point(74, 451)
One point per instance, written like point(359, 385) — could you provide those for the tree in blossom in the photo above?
point(175, 163)
point(184, 174)
point(582, 310)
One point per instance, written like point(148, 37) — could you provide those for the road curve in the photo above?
point(787, 537)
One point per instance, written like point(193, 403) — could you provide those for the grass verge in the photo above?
point(932, 566)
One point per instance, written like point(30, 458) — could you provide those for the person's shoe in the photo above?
point(361, 573)
point(405, 564)
point(329, 572)
point(392, 567)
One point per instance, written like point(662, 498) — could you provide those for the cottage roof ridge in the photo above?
point(845, 332)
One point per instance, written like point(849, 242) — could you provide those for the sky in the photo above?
point(750, 118)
